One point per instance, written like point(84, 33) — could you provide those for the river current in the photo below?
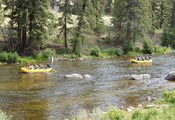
point(53, 97)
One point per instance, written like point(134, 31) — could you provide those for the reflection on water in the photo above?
point(51, 96)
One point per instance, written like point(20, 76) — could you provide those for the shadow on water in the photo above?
point(51, 96)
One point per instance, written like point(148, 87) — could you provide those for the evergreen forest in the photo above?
point(87, 27)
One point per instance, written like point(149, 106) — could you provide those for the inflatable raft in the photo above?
point(140, 61)
point(26, 70)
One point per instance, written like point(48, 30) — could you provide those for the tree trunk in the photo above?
point(24, 33)
point(173, 16)
point(65, 25)
point(161, 14)
point(19, 39)
point(65, 33)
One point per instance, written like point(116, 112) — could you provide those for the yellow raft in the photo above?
point(26, 70)
point(141, 61)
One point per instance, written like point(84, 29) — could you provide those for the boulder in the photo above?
point(74, 75)
point(87, 76)
point(170, 76)
point(141, 77)
point(78, 76)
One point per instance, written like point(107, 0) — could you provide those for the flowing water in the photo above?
point(51, 96)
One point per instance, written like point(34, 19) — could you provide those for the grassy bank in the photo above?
point(162, 110)
point(94, 52)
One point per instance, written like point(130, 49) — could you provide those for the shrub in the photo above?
point(3, 57)
point(127, 47)
point(137, 115)
point(168, 37)
point(169, 96)
point(151, 114)
point(45, 54)
point(77, 49)
point(148, 47)
point(95, 51)
point(114, 51)
point(162, 50)
point(26, 60)
point(4, 116)
point(138, 50)
point(116, 114)
point(9, 57)
point(12, 57)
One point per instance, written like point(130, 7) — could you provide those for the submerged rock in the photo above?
point(171, 76)
point(74, 75)
point(87, 76)
point(141, 77)
point(79, 76)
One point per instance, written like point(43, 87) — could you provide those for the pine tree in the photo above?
point(168, 38)
point(82, 29)
point(131, 19)
point(11, 35)
point(28, 23)
point(108, 7)
point(65, 20)
point(160, 13)
point(38, 22)
point(97, 8)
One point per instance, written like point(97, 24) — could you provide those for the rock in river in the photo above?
point(79, 76)
point(141, 77)
point(170, 76)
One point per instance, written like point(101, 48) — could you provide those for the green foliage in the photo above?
point(148, 47)
point(45, 54)
point(159, 112)
point(127, 47)
point(116, 114)
point(3, 57)
point(168, 37)
point(151, 114)
point(26, 60)
point(77, 49)
point(12, 57)
point(9, 57)
point(100, 27)
point(95, 51)
point(131, 19)
point(4, 116)
point(64, 20)
point(114, 51)
point(137, 115)
point(162, 50)
point(169, 96)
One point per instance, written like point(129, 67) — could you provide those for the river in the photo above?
point(53, 97)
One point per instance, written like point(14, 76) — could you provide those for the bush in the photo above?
point(148, 47)
point(4, 116)
point(12, 57)
point(137, 115)
point(127, 47)
point(152, 114)
point(169, 96)
point(95, 51)
point(45, 54)
point(116, 114)
point(3, 57)
point(77, 49)
point(138, 50)
point(168, 37)
point(114, 51)
point(162, 50)
point(9, 57)
point(26, 60)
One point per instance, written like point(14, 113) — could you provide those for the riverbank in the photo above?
point(159, 110)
